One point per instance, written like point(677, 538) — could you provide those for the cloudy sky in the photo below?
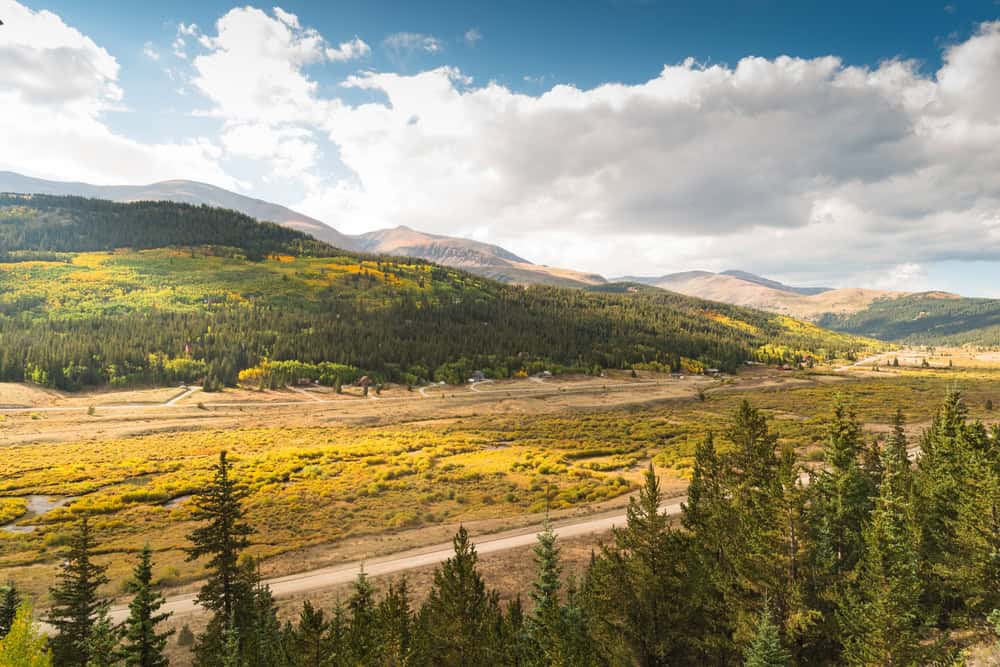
point(821, 143)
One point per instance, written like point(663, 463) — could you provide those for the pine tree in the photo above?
point(395, 620)
point(222, 538)
point(637, 587)
point(766, 649)
point(545, 621)
point(76, 606)
point(10, 601)
point(362, 632)
point(458, 620)
point(24, 645)
point(882, 619)
point(310, 640)
point(144, 646)
point(228, 590)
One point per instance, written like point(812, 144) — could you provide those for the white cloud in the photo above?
point(350, 50)
point(472, 36)
point(150, 52)
point(403, 44)
point(59, 86)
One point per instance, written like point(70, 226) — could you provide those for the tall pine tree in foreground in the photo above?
point(10, 600)
point(882, 620)
point(144, 645)
point(77, 609)
point(458, 621)
point(222, 537)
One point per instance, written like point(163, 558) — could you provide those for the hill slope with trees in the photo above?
point(97, 293)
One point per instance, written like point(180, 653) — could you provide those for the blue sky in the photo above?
point(728, 137)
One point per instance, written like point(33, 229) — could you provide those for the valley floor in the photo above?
point(341, 479)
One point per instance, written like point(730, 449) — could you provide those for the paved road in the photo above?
point(327, 577)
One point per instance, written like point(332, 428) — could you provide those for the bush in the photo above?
point(185, 637)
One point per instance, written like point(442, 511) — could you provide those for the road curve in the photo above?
point(327, 577)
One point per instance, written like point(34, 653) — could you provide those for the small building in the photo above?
point(477, 376)
point(712, 371)
point(363, 381)
point(544, 374)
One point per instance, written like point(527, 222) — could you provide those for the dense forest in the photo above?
point(930, 319)
point(100, 293)
point(868, 559)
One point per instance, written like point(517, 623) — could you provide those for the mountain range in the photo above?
point(476, 257)
point(884, 314)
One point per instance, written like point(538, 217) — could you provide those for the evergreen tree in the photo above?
point(77, 609)
point(458, 620)
point(144, 646)
point(222, 537)
point(310, 640)
point(882, 620)
point(362, 632)
point(10, 601)
point(545, 621)
point(766, 649)
point(637, 587)
point(395, 620)
point(24, 645)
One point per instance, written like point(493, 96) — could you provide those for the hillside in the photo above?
point(745, 289)
point(482, 259)
point(94, 293)
point(927, 318)
point(184, 192)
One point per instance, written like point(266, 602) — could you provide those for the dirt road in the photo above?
point(327, 577)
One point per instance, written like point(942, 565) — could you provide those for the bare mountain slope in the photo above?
point(744, 289)
point(484, 259)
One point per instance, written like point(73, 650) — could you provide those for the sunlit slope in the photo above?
point(80, 305)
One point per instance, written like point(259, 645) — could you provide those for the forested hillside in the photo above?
point(927, 318)
point(94, 292)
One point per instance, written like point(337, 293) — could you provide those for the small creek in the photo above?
point(37, 506)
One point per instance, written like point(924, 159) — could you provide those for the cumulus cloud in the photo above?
point(349, 50)
point(150, 52)
point(807, 164)
point(57, 88)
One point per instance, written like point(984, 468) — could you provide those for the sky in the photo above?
point(840, 144)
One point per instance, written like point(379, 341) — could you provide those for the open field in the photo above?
point(342, 478)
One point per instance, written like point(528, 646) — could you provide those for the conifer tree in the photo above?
point(362, 632)
point(144, 646)
point(545, 623)
point(77, 608)
point(310, 640)
point(766, 649)
point(637, 587)
point(10, 601)
point(222, 538)
point(882, 620)
point(395, 621)
point(24, 645)
point(457, 622)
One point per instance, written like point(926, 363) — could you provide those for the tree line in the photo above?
point(870, 559)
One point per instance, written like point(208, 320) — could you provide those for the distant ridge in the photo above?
point(483, 259)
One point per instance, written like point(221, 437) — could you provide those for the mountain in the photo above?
point(480, 258)
point(928, 317)
point(774, 284)
point(94, 292)
point(185, 192)
point(746, 289)
point(483, 259)
point(933, 318)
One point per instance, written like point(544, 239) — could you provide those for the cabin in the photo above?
point(363, 381)
point(544, 374)
point(477, 376)
point(712, 371)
